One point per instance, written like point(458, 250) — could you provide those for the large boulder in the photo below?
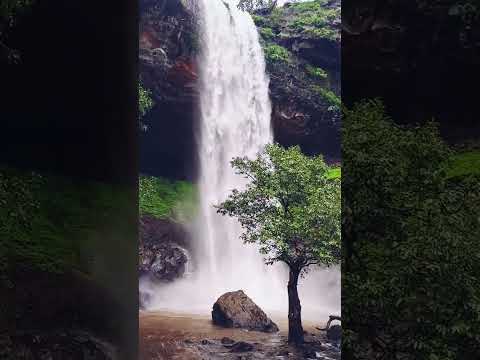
point(236, 310)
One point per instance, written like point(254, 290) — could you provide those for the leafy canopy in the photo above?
point(290, 207)
point(410, 235)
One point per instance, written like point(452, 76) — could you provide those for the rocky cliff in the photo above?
point(418, 56)
point(167, 65)
point(302, 47)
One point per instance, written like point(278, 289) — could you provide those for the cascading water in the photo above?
point(235, 121)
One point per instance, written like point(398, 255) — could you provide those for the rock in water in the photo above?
point(236, 309)
point(241, 346)
point(334, 333)
point(227, 341)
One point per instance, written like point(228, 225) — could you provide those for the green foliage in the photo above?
point(52, 223)
point(290, 208)
point(329, 96)
point(313, 18)
point(267, 33)
point(259, 20)
point(145, 101)
point(464, 164)
point(335, 173)
point(276, 53)
point(316, 72)
point(162, 198)
point(314, 15)
point(410, 242)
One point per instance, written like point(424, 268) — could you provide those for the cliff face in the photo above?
point(302, 47)
point(167, 64)
point(418, 56)
point(303, 89)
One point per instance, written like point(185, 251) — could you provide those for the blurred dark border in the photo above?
point(68, 110)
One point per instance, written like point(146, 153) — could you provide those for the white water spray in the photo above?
point(235, 121)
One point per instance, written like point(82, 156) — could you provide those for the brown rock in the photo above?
point(236, 309)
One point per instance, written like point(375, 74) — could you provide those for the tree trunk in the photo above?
point(295, 329)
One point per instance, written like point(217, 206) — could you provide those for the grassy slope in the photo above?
point(54, 223)
point(162, 198)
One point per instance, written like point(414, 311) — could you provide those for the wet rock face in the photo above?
point(161, 254)
point(167, 64)
point(164, 262)
point(236, 309)
point(167, 51)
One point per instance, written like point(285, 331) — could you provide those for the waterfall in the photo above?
point(235, 115)
point(235, 121)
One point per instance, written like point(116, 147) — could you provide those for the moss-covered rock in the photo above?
point(301, 42)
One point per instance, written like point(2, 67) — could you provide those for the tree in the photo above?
point(410, 241)
point(291, 209)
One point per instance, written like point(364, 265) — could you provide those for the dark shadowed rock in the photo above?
point(241, 346)
point(334, 333)
point(227, 341)
point(236, 309)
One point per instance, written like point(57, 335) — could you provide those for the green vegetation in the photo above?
point(276, 53)
point(145, 101)
point(162, 198)
point(329, 96)
point(335, 173)
point(410, 242)
point(314, 19)
point(316, 72)
point(53, 223)
point(267, 33)
point(291, 209)
point(259, 20)
point(464, 164)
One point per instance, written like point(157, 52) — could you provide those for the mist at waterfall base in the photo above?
point(235, 115)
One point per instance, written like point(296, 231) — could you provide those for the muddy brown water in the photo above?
point(175, 336)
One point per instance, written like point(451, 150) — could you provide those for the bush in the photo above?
point(410, 242)
point(329, 96)
point(267, 33)
point(316, 72)
point(276, 53)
